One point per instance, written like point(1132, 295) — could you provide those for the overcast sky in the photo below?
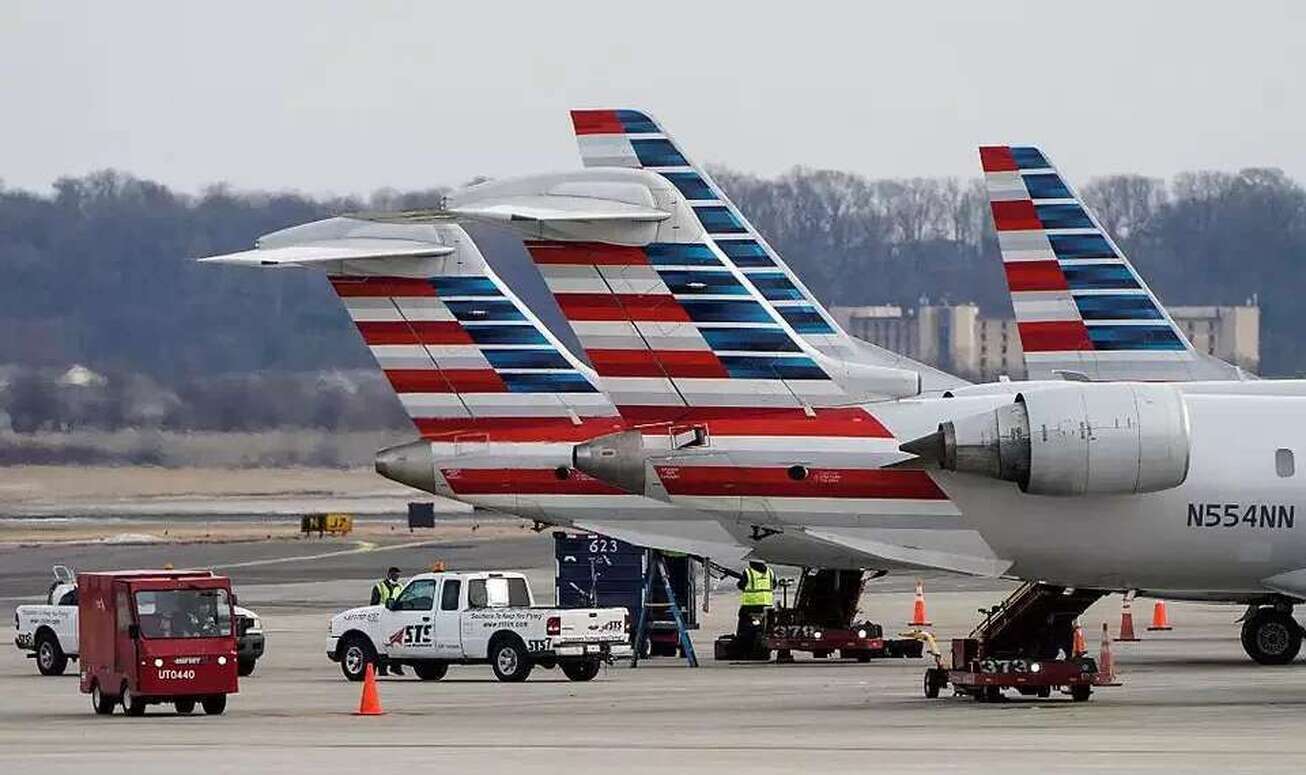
point(349, 97)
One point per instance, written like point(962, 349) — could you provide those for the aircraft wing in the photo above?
point(700, 538)
point(967, 554)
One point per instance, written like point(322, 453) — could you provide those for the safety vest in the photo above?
point(757, 589)
point(385, 590)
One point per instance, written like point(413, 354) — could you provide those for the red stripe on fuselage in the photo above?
point(1035, 276)
point(586, 254)
point(524, 481)
point(997, 158)
point(413, 332)
point(348, 287)
point(906, 484)
point(446, 381)
point(1054, 336)
point(596, 122)
point(657, 363)
point(851, 422)
point(516, 429)
point(1015, 215)
point(621, 306)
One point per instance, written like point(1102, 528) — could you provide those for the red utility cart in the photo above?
point(157, 636)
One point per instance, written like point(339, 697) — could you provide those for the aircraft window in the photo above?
point(1284, 465)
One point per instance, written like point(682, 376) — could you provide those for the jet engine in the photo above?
point(1076, 439)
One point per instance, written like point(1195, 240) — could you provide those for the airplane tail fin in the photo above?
point(669, 324)
point(634, 139)
point(466, 357)
point(1081, 308)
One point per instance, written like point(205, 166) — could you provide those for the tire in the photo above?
point(582, 670)
point(245, 667)
point(510, 660)
point(1043, 692)
point(356, 653)
point(185, 707)
point(1081, 692)
point(132, 705)
point(50, 659)
point(935, 680)
point(214, 704)
point(1271, 637)
point(102, 702)
point(430, 671)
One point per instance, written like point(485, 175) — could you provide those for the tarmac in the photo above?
point(1191, 700)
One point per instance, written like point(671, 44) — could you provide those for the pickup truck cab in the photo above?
point(48, 632)
point(442, 619)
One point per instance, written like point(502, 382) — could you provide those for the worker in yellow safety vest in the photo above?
point(756, 599)
point(383, 592)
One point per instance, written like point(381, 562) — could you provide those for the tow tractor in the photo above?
point(1026, 644)
point(820, 622)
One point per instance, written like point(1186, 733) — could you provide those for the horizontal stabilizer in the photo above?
point(336, 250)
point(943, 555)
point(559, 209)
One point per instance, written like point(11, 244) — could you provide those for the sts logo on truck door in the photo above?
point(410, 635)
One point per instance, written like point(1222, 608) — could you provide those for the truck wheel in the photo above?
point(356, 653)
point(1081, 692)
point(430, 671)
point(1271, 637)
point(132, 705)
point(245, 667)
point(50, 659)
point(583, 670)
point(510, 660)
point(214, 704)
point(185, 707)
point(102, 702)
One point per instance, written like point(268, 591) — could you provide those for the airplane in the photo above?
point(726, 415)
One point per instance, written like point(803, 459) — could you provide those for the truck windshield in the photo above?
point(184, 613)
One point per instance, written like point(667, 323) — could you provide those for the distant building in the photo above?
point(957, 339)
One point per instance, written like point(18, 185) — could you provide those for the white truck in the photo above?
point(48, 632)
point(442, 619)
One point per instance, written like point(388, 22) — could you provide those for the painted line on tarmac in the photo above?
point(362, 547)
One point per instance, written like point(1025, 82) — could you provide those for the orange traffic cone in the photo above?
point(1159, 620)
point(1127, 618)
point(918, 618)
point(370, 703)
point(1079, 647)
point(1106, 663)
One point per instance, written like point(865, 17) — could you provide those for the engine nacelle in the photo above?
point(1076, 439)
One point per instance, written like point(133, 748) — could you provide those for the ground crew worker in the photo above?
point(387, 588)
point(383, 592)
point(757, 585)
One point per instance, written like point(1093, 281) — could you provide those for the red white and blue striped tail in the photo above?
point(466, 357)
point(1081, 308)
point(633, 139)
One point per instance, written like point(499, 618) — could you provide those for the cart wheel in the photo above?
point(1081, 692)
point(988, 694)
point(102, 702)
point(131, 704)
point(185, 707)
point(1043, 692)
point(935, 680)
point(214, 704)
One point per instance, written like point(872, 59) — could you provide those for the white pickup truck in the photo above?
point(442, 619)
point(49, 632)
